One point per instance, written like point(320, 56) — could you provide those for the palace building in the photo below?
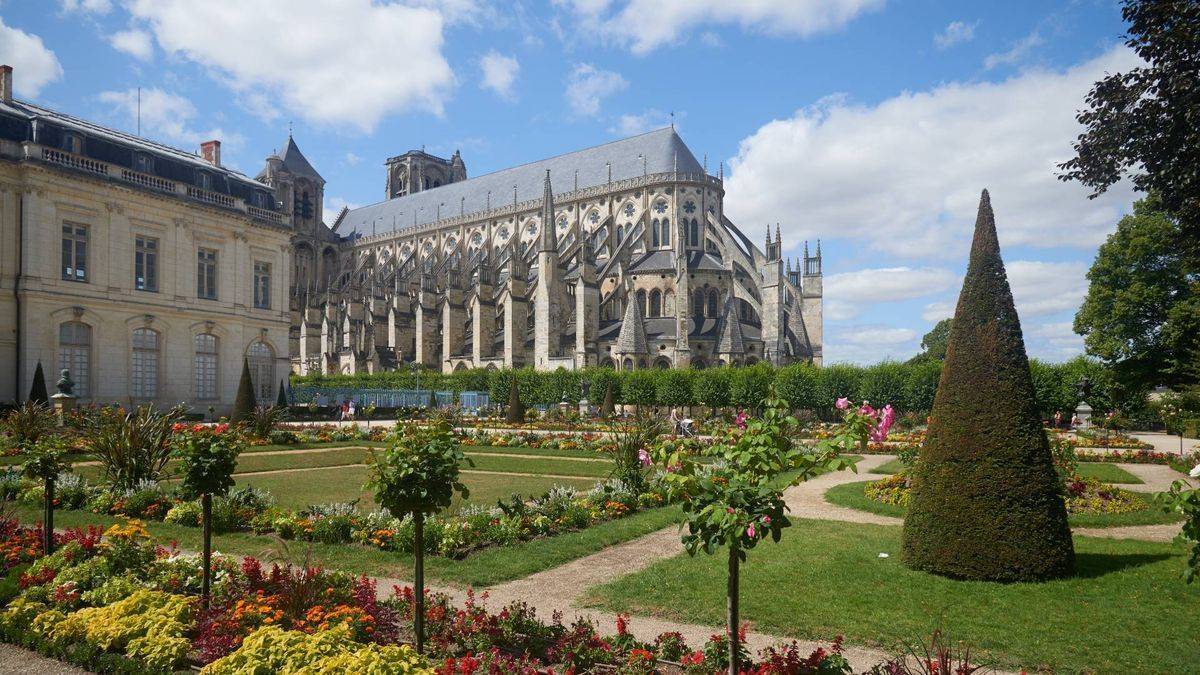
point(152, 273)
point(619, 255)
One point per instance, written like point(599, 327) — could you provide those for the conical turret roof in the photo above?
point(632, 339)
point(730, 340)
point(296, 163)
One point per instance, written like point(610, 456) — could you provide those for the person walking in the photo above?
point(350, 410)
point(1057, 419)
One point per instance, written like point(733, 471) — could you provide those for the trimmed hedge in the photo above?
point(909, 387)
point(985, 502)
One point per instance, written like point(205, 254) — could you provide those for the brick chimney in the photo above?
point(210, 151)
point(6, 79)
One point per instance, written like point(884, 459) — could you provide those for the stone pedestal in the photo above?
point(585, 408)
point(1083, 411)
point(63, 404)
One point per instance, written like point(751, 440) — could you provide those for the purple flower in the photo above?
point(644, 457)
point(750, 531)
point(843, 403)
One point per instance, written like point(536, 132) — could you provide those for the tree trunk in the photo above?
point(206, 554)
point(732, 610)
point(419, 580)
point(48, 517)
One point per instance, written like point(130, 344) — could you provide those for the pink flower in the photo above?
point(644, 457)
point(750, 531)
point(740, 420)
point(843, 403)
point(766, 520)
point(866, 410)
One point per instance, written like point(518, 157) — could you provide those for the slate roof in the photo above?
point(632, 339)
point(654, 261)
point(663, 149)
point(295, 162)
point(34, 111)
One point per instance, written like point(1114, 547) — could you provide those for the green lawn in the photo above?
point(547, 452)
point(1109, 473)
point(299, 489)
point(1128, 610)
point(484, 568)
point(851, 495)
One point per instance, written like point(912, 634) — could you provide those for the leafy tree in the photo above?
point(516, 409)
point(920, 385)
point(797, 384)
point(639, 388)
point(674, 387)
point(710, 387)
point(838, 381)
point(732, 492)
point(884, 383)
point(243, 405)
point(1141, 315)
point(748, 386)
point(609, 407)
point(207, 459)
point(985, 500)
point(933, 345)
point(1141, 123)
point(37, 390)
point(419, 476)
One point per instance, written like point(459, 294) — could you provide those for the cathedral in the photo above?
point(619, 255)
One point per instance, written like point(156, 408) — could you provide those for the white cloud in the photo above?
point(86, 6)
point(588, 86)
point(936, 311)
point(645, 25)
point(333, 206)
point(1056, 341)
point(352, 159)
point(904, 175)
point(1016, 53)
point(136, 43)
point(165, 117)
point(329, 61)
point(957, 32)
point(1041, 288)
point(870, 344)
point(499, 73)
point(34, 66)
point(847, 294)
point(632, 125)
point(878, 335)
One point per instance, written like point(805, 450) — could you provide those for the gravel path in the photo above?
point(1155, 477)
point(17, 661)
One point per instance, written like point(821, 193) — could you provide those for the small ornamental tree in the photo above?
point(732, 491)
point(207, 459)
point(986, 502)
point(418, 476)
point(711, 388)
point(281, 400)
point(37, 391)
point(1184, 499)
point(243, 405)
point(516, 409)
point(609, 407)
point(29, 426)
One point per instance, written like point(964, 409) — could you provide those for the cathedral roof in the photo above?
point(664, 151)
point(632, 339)
point(730, 341)
point(296, 163)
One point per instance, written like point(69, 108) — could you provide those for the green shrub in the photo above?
point(884, 383)
point(986, 502)
point(920, 386)
point(639, 388)
point(749, 385)
point(838, 381)
point(798, 385)
point(674, 387)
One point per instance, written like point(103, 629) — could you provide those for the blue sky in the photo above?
point(869, 124)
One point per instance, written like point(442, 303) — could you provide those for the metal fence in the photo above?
point(388, 398)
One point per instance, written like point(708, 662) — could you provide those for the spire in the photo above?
point(632, 339)
point(549, 239)
point(778, 238)
point(730, 340)
point(806, 249)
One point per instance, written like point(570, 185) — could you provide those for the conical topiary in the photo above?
point(243, 405)
point(516, 409)
point(281, 400)
point(609, 407)
point(985, 501)
point(37, 391)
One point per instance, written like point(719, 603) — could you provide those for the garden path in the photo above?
point(1167, 443)
point(1155, 477)
point(17, 661)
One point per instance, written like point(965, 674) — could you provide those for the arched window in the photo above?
point(205, 367)
point(666, 231)
point(655, 303)
point(654, 232)
point(75, 354)
point(144, 364)
point(261, 359)
point(698, 304)
point(694, 236)
point(712, 303)
point(628, 364)
point(641, 301)
point(620, 233)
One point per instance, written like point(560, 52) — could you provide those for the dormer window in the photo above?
point(203, 180)
point(143, 162)
point(73, 143)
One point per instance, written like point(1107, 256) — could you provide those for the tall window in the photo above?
point(694, 232)
point(698, 304)
point(655, 303)
point(641, 301)
point(206, 274)
point(712, 303)
point(261, 359)
point(145, 264)
point(654, 232)
point(206, 366)
point(74, 252)
point(144, 364)
point(75, 354)
point(666, 232)
point(262, 285)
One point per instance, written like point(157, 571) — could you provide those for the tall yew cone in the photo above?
point(985, 501)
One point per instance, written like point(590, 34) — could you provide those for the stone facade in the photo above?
point(149, 272)
point(619, 255)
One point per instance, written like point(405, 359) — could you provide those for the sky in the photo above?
point(871, 125)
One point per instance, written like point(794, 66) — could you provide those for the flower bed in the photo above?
point(115, 602)
point(1084, 496)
